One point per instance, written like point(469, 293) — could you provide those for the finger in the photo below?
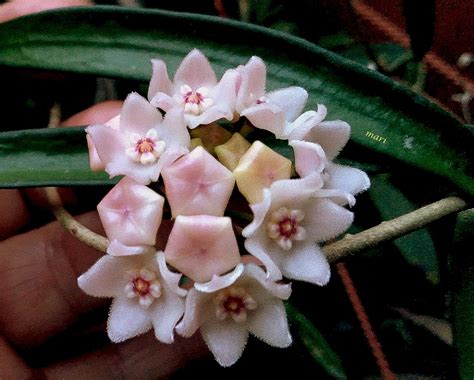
point(99, 113)
point(13, 211)
point(17, 8)
point(11, 365)
point(140, 358)
point(39, 296)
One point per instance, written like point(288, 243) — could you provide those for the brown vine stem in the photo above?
point(392, 229)
point(77, 229)
point(334, 251)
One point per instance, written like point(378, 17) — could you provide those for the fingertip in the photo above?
point(97, 114)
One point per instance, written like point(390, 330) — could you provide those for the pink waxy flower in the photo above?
point(198, 184)
point(203, 247)
point(273, 110)
point(131, 215)
point(194, 90)
point(144, 143)
point(144, 291)
point(252, 304)
point(293, 216)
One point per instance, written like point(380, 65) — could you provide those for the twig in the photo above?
point(392, 229)
point(77, 229)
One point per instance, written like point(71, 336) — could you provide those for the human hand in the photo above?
point(39, 296)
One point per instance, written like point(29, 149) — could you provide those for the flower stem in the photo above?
point(392, 229)
point(77, 229)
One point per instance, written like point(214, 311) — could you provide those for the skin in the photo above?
point(39, 296)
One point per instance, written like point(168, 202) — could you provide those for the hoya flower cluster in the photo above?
point(209, 224)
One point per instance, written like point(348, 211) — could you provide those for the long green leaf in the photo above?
point(117, 42)
point(463, 299)
point(47, 157)
point(317, 347)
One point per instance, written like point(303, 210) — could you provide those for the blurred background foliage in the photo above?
point(409, 287)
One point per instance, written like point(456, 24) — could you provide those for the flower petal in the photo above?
point(160, 81)
point(220, 282)
point(116, 248)
point(346, 178)
point(255, 247)
point(127, 319)
point(194, 71)
point(198, 309)
point(163, 101)
point(270, 324)
point(331, 135)
point(309, 157)
point(298, 129)
point(226, 340)
point(165, 312)
point(290, 100)
point(172, 279)
point(306, 262)
point(277, 289)
point(105, 277)
point(173, 130)
point(210, 115)
point(325, 219)
point(267, 116)
point(252, 86)
point(138, 115)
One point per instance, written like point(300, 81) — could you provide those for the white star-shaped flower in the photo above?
point(226, 317)
point(146, 295)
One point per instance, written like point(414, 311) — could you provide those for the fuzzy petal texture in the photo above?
point(325, 219)
point(144, 144)
point(142, 296)
point(276, 333)
point(309, 157)
point(290, 100)
point(127, 319)
point(160, 81)
point(267, 116)
point(195, 71)
point(165, 314)
point(306, 263)
point(198, 309)
point(261, 312)
point(138, 115)
point(252, 85)
point(346, 178)
point(104, 278)
point(225, 339)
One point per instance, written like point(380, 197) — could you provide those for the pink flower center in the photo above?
point(193, 97)
point(142, 284)
point(284, 226)
point(145, 150)
point(234, 302)
point(233, 305)
point(288, 227)
point(195, 102)
point(146, 145)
